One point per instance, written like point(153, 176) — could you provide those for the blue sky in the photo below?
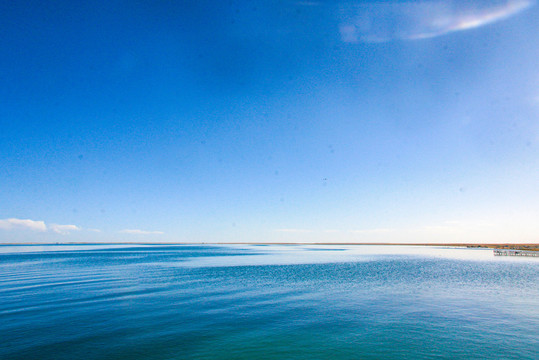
point(269, 121)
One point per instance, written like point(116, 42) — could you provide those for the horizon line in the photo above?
point(276, 243)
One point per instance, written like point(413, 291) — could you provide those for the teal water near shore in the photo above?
point(266, 302)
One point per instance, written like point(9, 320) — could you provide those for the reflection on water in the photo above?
point(271, 302)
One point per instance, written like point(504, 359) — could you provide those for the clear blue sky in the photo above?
point(269, 121)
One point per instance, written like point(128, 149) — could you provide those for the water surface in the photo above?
point(266, 302)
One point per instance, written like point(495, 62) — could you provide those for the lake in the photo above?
point(266, 302)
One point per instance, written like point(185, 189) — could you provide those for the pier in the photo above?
point(498, 252)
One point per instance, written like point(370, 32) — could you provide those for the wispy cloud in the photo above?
point(387, 21)
point(294, 231)
point(140, 232)
point(373, 231)
point(63, 229)
point(13, 224)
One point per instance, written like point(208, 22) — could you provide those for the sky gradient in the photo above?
point(205, 121)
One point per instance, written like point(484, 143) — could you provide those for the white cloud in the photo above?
point(373, 231)
point(387, 21)
point(294, 230)
point(13, 224)
point(140, 232)
point(94, 230)
point(63, 229)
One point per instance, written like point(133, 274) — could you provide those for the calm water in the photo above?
point(266, 302)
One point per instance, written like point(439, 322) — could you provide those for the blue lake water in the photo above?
point(266, 302)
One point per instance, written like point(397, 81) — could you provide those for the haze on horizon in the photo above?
point(269, 121)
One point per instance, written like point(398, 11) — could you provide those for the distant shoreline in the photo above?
point(529, 247)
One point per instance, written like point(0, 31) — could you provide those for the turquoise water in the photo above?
point(266, 302)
